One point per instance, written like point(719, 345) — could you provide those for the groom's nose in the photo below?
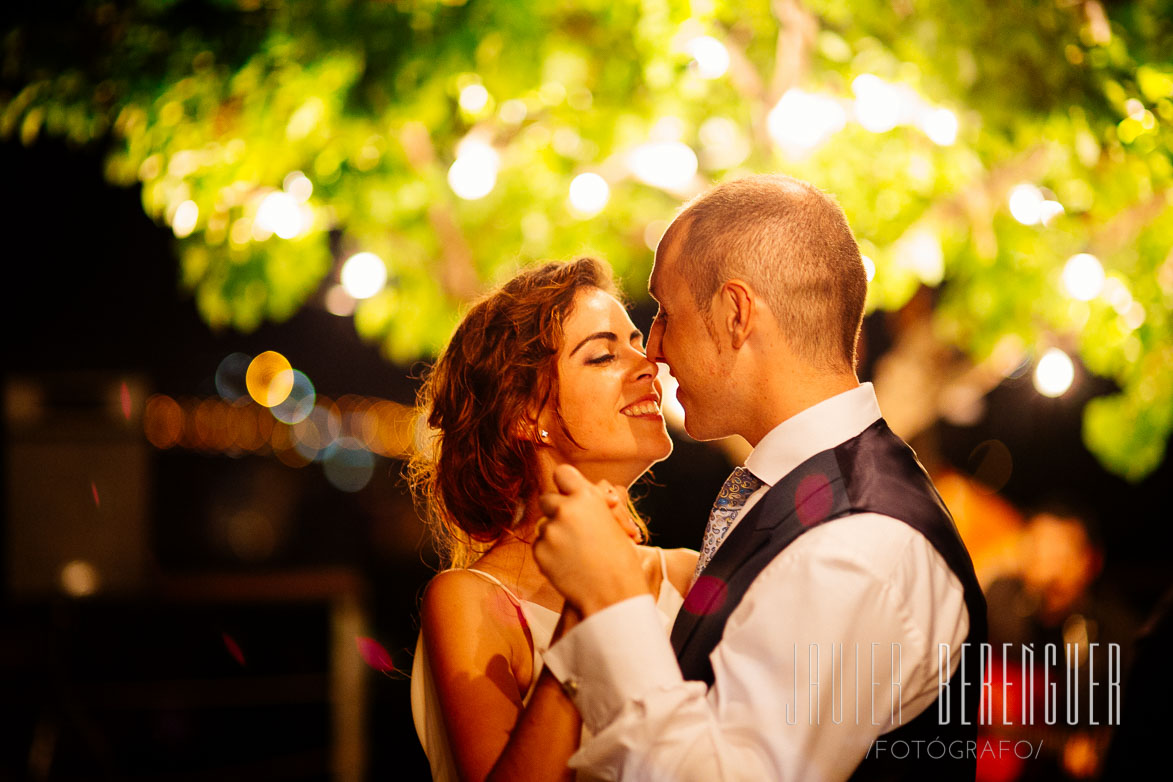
point(655, 342)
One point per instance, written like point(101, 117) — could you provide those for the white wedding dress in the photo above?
point(425, 704)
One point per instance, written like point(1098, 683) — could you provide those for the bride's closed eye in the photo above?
point(604, 359)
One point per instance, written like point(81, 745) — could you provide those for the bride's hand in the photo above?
point(616, 501)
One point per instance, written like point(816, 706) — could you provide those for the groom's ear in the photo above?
point(738, 305)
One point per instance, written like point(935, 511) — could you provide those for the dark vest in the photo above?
point(874, 472)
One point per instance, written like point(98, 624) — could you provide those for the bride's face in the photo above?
point(609, 396)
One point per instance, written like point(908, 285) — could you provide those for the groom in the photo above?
point(823, 637)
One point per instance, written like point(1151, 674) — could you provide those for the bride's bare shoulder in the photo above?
point(458, 591)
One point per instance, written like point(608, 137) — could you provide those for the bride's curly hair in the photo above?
point(480, 400)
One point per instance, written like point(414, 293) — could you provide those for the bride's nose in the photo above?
point(643, 368)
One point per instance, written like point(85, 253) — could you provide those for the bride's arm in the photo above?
point(529, 753)
point(476, 643)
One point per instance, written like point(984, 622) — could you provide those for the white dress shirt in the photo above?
point(843, 626)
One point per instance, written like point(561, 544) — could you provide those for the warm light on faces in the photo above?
point(608, 395)
point(681, 339)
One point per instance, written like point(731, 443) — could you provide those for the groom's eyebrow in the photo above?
point(607, 335)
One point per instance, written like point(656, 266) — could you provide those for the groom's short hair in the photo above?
point(792, 244)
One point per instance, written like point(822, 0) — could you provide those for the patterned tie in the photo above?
point(738, 486)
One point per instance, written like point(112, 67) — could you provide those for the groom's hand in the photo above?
point(585, 554)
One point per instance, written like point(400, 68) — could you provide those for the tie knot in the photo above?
point(738, 486)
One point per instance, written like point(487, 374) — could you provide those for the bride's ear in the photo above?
point(533, 429)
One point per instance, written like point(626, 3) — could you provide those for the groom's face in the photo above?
point(681, 338)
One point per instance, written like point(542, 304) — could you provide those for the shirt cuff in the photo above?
point(613, 657)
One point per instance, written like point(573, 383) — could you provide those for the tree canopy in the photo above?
point(1014, 157)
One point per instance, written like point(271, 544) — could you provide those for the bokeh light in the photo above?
point(653, 233)
point(474, 172)
point(1116, 293)
point(1026, 204)
point(317, 431)
point(279, 213)
point(79, 578)
point(183, 222)
point(723, 144)
point(299, 186)
point(669, 404)
point(1134, 316)
point(668, 165)
point(940, 125)
point(920, 250)
point(1050, 211)
point(94, 493)
point(877, 103)
point(284, 445)
point(800, 121)
point(869, 267)
point(513, 111)
point(1054, 373)
point(300, 401)
point(710, 55)
point(230, 376)
point(363, 275)
point(269, 378)
point(163, 421)
point(589, 193)
point(474, 98)
point(339, 302)
point(1083, 276)
point(348, 466)
point(246, 428)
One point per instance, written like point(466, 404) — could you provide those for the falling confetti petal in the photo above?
point(233, 648)
point(706, 596)
point(374, 654)
point(94, 489)
point(124, 396)
point(813, 498)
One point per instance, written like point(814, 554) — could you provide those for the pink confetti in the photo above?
point(706, 596)
point(233, 648)
point(94, 489)
point(374, 654)
point(124, 397)
point(813, 498)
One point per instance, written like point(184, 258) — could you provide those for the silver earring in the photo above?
point(543, 434)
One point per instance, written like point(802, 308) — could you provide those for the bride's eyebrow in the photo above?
point(607, 335)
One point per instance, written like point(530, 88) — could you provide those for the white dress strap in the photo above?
point(489, 577)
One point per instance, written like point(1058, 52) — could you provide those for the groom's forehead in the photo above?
point(667, 257)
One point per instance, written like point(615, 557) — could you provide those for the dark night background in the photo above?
point(143, 684)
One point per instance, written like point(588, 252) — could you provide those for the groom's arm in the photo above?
point(763, 719)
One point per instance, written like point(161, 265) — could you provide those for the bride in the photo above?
point(547, 370)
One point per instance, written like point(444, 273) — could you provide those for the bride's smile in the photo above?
point(605, 417)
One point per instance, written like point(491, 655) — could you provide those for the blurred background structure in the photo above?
point(237, 230)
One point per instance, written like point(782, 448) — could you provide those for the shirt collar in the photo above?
point(818, 428)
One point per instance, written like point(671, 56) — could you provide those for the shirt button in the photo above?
point(570, 687)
